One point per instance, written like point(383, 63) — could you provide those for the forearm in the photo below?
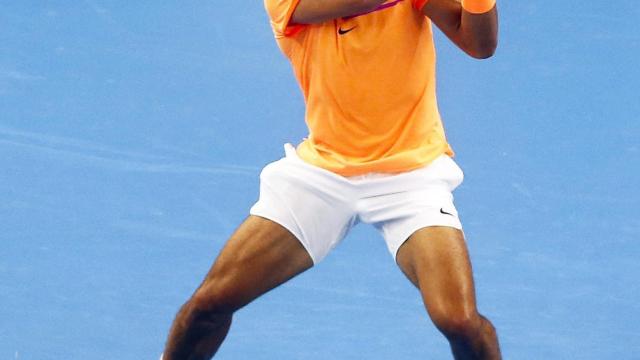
point(479, 32)
point(318, 11)
point(472, 27)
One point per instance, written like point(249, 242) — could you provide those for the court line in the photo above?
point(115, 159)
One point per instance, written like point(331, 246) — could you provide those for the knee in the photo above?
point(214, 301)
point(458, 324)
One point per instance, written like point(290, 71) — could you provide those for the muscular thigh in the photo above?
point(436, 260)
point(259, 256)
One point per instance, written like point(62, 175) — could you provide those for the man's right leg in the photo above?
point(258, 257)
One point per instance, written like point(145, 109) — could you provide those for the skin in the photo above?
point(475, 34)
point(262, 255)
point(436, 261)
point(258, 257)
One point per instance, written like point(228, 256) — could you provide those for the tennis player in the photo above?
point(376, 153)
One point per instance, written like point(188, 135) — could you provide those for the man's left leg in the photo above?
point(436, 261)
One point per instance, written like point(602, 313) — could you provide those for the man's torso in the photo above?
point(369, 86)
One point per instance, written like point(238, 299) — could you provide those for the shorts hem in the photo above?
point(410, 230)
point(276, 219)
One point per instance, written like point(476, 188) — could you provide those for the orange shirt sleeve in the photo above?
point(280, 13)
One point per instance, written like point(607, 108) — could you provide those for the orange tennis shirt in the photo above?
point(369, 86)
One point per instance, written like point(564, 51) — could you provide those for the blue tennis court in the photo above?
point(132, 135)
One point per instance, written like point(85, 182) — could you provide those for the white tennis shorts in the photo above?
point(320, 207)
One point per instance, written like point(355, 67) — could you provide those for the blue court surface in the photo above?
point(131, 139)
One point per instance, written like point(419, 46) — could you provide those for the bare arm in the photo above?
point(475, 34)
point(318, 11)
